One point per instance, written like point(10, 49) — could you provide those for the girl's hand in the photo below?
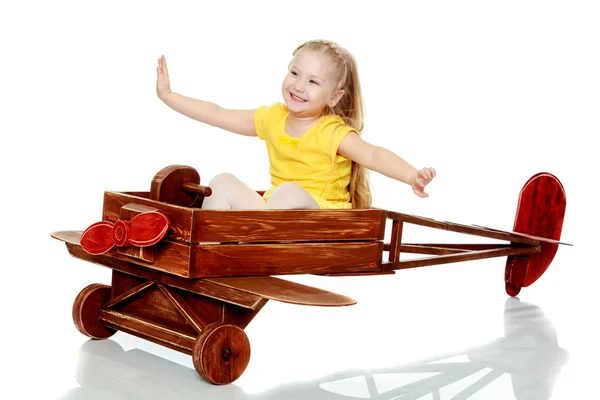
point(421, 180)
point(163, 85)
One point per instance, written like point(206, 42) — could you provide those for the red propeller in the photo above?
point(143, 230)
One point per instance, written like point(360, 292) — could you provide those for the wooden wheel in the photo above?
point(221, 353)
point(514, 274)
point(86, 308)
point(512, 290)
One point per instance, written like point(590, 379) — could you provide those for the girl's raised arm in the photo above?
point(236, 121)
point(385, 162)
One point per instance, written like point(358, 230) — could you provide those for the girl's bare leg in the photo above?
point(230, 193)
point(290, 195)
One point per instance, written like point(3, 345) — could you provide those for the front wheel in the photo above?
point(221, 353)
point(86, 309)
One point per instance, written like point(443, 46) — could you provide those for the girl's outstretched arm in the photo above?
point(385, 162)
point(236, 121)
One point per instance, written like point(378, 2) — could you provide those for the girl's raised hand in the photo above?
point(423, 178)
point(163, 85)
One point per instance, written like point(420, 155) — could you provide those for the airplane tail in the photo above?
point(540, 212)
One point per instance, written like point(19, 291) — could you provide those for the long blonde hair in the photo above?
point(350, 108)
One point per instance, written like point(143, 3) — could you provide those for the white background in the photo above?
point(488, 93)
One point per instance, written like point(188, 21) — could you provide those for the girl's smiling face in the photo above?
point(310, 84)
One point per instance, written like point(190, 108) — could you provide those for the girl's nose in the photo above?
point(299, 86)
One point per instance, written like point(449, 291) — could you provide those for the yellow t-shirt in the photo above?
point(310, 160)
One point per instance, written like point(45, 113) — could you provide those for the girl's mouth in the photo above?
point(296, 98)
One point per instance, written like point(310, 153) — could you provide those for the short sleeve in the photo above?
point(260, 121)
point(339, 130)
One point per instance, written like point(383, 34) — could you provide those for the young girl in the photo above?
point(317, 157)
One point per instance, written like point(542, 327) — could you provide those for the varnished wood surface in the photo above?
point(463, 256)
point(395, 245)
point(283, 259)
point(148, 330)
point(221, 353)
point(534, 237)
point(179, 217)
point(168, 185)
point(215, 260)
point(288, 225)
point(193, 225)
point(540, 212)
point(285, 291)
point(199, 286)
point(245, 291)
point(443, 248)
point(86, 311)
point(460, 228)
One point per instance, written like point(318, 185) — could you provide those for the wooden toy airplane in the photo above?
point(192, 279)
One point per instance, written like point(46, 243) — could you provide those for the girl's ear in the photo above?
point(336, 97)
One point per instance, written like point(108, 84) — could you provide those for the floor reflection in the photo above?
point(528, 355)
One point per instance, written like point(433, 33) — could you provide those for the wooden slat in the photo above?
point(285, 291)
point(282, 259)
point(172, 257)
point(198, 286)
point(240, 316)
point(454, 227)
point(460, 246)
point(288, 225)
point(130, 293)
point(148, 330)
point(539, 238)
point(180, 217)
point(361, 273)
point(441, 249)
point(194, 225)
point(452, 258)
point(191, 315)
point(429, 250)
point(216, 260)
point(395, 241)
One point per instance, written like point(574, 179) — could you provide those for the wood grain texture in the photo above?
point(246, 292)
point(540, 212)
point(148, 330)
point(192, 316)
point(463, 256)
point(288, 225)
point(179, 217)
point(221, 354)
point(394, 247)
point(285, 291)
point(460, 228)
point(199, 286)
point(193, 225)
point(440, 249)
point(168, 185)
point(214, 260)
point(127, 213)
point(283, 259)
point(86, 311)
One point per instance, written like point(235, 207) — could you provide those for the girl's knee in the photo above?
point(224, 178)
point(291, 195)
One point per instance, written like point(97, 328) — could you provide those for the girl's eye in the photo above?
point(314, 82)
point(294, 73)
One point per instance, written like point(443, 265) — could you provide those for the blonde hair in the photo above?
point(350, 108)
